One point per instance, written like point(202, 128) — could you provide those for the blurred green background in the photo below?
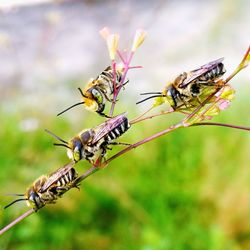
point(187, 190)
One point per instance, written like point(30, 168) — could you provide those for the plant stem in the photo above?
point(89, 172)
point(118, 88)
point(221, 124)
point(141, 118)
point(242, 65)
point(13, 223)
point(148, 139)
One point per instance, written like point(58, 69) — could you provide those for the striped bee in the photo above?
point(189, 89)
point(98, 91)
point(47, 189)
point(91, 144)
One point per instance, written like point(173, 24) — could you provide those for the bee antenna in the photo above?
point(151, 93)
point(15, 202)
point(82, 93)
point(14, 194)
point(55, 136)
point(60, 144)
point(153, 96)
point(79, 103)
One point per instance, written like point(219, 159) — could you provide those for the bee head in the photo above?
point(171, 94)
point(75, 149)
point(34, 200)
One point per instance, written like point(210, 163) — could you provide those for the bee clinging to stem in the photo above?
point(187, 90)
point(47, 189)
point(99, 91)
point(91, 144)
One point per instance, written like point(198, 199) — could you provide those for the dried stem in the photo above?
point(14, 222)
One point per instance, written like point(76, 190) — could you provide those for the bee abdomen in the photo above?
point(214, 73)
point(108, 76)
point(118, 130)
point(67, 178)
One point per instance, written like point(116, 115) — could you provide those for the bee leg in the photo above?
point(104, 150)
point(120, 143)
point(184, 102)
point(122, 85)
point(61, 190)
point(199, 100)
point(206, 83)
point(107, 98)
point(102, 114)
point(112, 100)
point(100, 159)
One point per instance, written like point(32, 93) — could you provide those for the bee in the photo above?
point(189, 88)
point(47, 189)
point(99, 91)
point(91, 144)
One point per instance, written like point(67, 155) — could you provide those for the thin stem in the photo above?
point(243, 64)
point(115, 89)
point(148, 139)
point(89, 172)
point(221, 124)
point(13, 223)
point(135, 67)
point(141, 118)
point(116, 93)
point(120, 55)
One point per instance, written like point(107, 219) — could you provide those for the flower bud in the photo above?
point(112, 43)
point(111, 40)
point(227, 93)
point(138, 39)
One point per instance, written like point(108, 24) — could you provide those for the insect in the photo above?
point(46, 189)
point(90, 144)
point(98, 91)
point(189, 88)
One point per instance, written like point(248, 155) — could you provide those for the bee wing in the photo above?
point(54, 177)
point(106, 127)
point(198, 72)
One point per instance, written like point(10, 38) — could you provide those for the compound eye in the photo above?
point(33, 201)
point(97, 96)
point(169, 92)
point(77, 154)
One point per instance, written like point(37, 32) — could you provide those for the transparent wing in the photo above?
point(54, 177)
point(106, 127)
point(192, 75)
